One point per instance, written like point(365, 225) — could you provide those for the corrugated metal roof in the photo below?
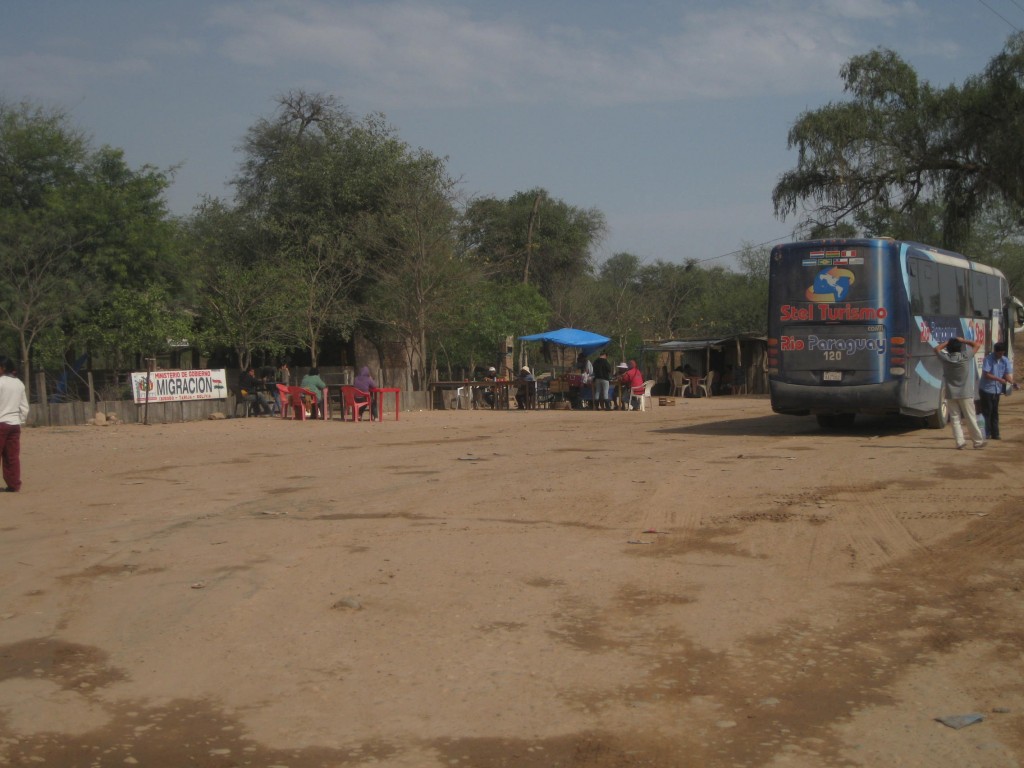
point(685, 345)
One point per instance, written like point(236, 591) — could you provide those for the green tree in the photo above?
point(246, 300)
point(75, 224)
point(487, 314)
point(308, 174)
point(418, 279)
point(997, 240)
point(618, 302)
point(323, 268)
point(131, 322)
point(907, 159)
point(671, 298)
point(750, 297)
point(533, 238)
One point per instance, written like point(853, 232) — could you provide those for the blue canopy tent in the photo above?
point(571, 337)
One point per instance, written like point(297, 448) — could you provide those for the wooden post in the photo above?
point(149, 373)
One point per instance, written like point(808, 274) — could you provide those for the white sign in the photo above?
point(170, 386)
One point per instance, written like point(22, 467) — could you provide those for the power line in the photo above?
point(1012, 25)
point(1017, 4)
point(788, 237)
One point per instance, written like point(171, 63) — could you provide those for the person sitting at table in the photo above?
point(317, 386)
point(524, 381)
point(265, 384)
point(632, 381)
point(488, 392)
point(251, 390)
point(364, 383)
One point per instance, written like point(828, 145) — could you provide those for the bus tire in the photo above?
point(835, 421)
point(940, 418)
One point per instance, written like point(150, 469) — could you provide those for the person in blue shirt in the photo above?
point(996, 379)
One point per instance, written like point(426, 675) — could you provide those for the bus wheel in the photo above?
point(834, 421)
point(939, 419)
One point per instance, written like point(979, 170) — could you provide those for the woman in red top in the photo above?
point(633, 382)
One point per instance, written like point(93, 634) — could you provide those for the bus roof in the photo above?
point(921, 249)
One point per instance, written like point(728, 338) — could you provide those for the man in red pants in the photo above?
point(13, 413)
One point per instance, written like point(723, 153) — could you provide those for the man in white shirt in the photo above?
point(13, 413)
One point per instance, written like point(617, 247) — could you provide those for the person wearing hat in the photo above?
point(631, 384)
point(488, 392)
point(525, 388)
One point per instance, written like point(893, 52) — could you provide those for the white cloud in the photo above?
point(61, 78)
point(167, 45)
point(873, 10)
point(415, 53)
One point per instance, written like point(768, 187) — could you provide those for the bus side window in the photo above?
point(996, 292)
point(979, 294)
point(914, 267)
point(949, 303)
point(928, 287)
point(962, 302)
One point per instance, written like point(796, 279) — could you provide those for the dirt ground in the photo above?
point(707, 584)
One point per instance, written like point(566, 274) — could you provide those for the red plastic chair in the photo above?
point(297, 401)
point(354, 399)
point(285, 393)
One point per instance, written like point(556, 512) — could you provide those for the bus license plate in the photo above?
point(833, 376)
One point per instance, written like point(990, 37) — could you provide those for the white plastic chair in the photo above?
point(648, 386)
point(678, 383)
point(706, 384)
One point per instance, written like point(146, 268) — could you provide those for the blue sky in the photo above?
point(670, 117)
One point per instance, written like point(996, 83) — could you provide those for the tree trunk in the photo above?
point(529, 239)
point(25, 368)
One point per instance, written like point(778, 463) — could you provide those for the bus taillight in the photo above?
point(897, 355)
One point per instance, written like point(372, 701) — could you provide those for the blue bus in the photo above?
point(852, 325)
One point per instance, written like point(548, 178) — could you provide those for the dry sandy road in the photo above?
point(707, 584)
